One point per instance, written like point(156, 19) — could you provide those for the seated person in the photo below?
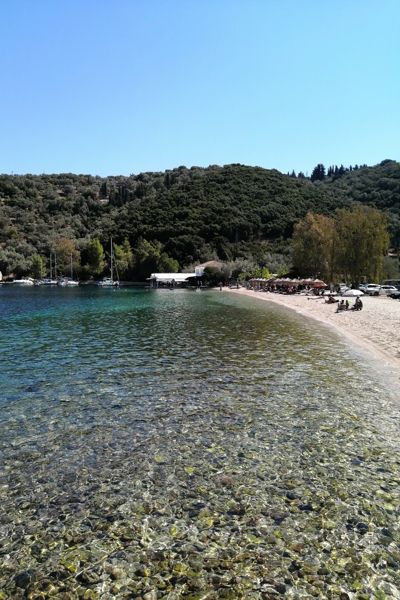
point(341, 306)
point(331, 300)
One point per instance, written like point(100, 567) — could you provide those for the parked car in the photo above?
point(371, 289)
point(395, 294)
point(387, 290)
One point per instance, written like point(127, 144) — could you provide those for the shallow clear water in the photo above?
point(180, 444)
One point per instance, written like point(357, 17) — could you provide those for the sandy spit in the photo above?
point(376, 328)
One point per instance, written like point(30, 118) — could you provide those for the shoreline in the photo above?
point(373, 329)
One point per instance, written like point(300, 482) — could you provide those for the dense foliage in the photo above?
point(313, 244)
point(175, 218)
point(377, 186)
point(349, 247)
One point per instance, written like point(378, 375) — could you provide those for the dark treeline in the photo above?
point(193, 215)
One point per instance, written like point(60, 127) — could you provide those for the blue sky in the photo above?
point(113, 87)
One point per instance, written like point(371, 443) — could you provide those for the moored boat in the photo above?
point(24, 281)
point(68, 281)
point(109, 281)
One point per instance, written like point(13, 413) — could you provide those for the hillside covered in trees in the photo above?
point(183, 215)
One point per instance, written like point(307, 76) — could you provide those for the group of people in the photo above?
point(346, 305)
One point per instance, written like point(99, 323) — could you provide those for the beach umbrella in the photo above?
point(353, 293)
point(319, 284)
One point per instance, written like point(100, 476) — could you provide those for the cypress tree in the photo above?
point(318, 173)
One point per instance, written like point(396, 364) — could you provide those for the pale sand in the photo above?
point(375, 328)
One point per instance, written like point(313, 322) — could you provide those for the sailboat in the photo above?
point(70, 282)
point(50, 280)
point(109, 281)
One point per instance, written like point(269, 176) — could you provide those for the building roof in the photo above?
point(212, 263)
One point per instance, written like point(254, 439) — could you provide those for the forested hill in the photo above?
point(195, 213)
point(190, 210)
point(377, 186)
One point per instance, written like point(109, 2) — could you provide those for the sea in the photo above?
point(182, 444)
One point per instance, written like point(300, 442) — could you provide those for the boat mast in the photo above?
point(55, 265)
point(51, 265)
point(71, 266)
point(112, 261)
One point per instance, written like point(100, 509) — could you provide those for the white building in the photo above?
point(169, 279)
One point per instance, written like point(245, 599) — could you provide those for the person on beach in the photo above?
point(220, 286)
point(341, 306)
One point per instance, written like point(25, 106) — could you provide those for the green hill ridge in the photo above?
point(195, 213)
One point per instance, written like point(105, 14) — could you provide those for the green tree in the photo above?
point(124, 259)
point(391, 268)
point(12, 233)
point(314, 247)
point(103, 190)
point(167, 264)
point(242, 268)
point(38, 268)
point(261, 273)
point(14, 263)
point(146, 256)
point(211, 275)
point(149, 258)
point(363, 243)
point(65, 248)
point(96, 258)
point(318, 173)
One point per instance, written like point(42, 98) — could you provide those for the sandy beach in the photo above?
point(375, 328)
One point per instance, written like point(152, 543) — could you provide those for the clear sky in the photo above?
point(113, 87)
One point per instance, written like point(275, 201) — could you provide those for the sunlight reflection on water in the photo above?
point(122, 410)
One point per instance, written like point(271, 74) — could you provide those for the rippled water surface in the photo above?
point(158, 444)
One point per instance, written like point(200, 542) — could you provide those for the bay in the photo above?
point(184, 444)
